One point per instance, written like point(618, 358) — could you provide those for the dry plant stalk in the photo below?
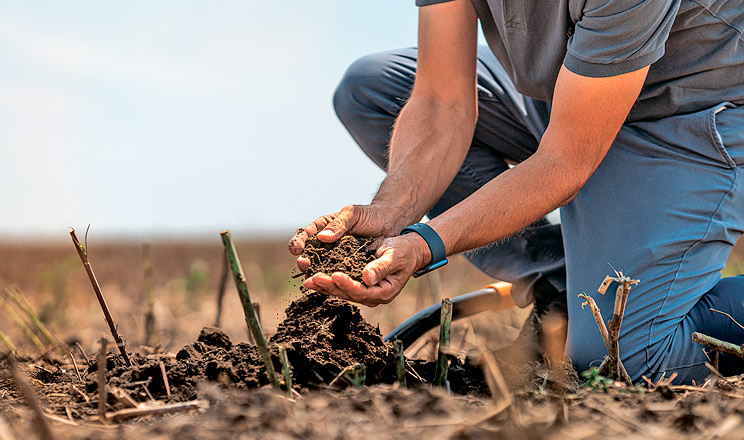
point(611, 334)
point(286, 370)
point(8, 343)
point(83, 253)
point(20, 323)
point(102, 380)
point(19, 299)
point(251, 317)
point(445, 328)
point(221, 291)
point(146, 411)
point(400, 362)
point(150, 295)
point(165, 379)
point(718, 345)
point(45, 431)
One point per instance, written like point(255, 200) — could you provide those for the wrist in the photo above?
point(434, 255)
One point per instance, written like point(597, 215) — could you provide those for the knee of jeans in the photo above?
point(353, 98)
point(352, 86)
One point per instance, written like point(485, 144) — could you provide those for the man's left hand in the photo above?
point(397, 260)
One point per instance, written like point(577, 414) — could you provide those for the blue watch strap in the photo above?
point(436, 246)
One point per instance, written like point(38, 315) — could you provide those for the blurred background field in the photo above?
point(186, 278)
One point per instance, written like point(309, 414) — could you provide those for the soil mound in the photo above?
point(324, 335)
point(348, 255)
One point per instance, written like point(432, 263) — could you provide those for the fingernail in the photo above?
point(326, 233)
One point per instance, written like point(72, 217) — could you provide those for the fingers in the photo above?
point(337, 227)
point(303, 263)
point(324, 283)
point(297, 243)
point(378, 269)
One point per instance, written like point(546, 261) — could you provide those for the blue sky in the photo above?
point(181, 118)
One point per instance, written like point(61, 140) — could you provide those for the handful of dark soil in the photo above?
point(348, 255)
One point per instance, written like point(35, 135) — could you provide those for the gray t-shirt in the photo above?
point(695, 47)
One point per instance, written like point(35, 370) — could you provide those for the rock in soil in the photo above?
point(348, 255)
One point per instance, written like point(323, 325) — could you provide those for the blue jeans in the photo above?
point(665, 206)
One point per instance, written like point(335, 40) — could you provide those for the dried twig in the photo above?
point(355, 375)
point(6, 340)
point(717, 344)
point(221, 291)
point(445, 327)
point(286, 370)
point(83, 253)
point(74, 364)
point(102, 380)
point(152, 410)
point(20, 323)
point(165, 379)
point(400, 362)
point(82, 352)
point(150, 296)
point(726, 314)
point(251, 316)
point(45, 431)
point(123, 397)
point(588, 300)
point(19, 299)
point(611, 333)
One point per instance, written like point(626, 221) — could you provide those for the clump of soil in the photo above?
point(348, 255)
point(324, 335)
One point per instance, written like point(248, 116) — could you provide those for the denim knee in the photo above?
point(353, 90)
point(371, 94)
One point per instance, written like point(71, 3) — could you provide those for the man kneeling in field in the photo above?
point(627, 114)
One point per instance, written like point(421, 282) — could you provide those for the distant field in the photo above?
point(186, 276)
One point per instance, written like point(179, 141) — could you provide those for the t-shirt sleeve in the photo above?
point(430, 2)
point(615, 37)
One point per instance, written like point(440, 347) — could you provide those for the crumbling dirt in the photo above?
point(348, 255)
point(322, 336)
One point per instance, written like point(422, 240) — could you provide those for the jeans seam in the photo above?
point(681, 261)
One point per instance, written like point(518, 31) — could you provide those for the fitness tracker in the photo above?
point(436, 246)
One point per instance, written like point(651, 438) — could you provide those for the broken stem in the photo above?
point(221, 291)
point(621, 298)
point(597, 317)
point(150, 295)
point(165, 379)
point(400, 362)
point(717, 344)
point(286, 370)
point(83, 253)
point(146, 411)
point(445, 327)
point(251, 317)
point(102, 380)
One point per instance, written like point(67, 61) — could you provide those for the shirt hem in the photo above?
point(430, 2)
point(597, 70)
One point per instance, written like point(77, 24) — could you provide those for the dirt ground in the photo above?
point(220, 371)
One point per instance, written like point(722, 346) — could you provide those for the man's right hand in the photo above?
point(360, 220)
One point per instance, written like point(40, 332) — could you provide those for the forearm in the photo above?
point(429, 143)
point(509, 203)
